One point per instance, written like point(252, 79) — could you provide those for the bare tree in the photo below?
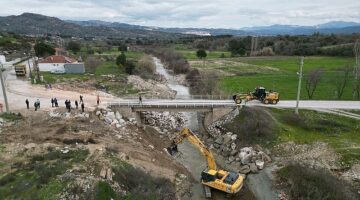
point(342, 80)
point(146, 62)
point(312, 79)
point(91, 63)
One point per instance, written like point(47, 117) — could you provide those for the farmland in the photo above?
point(279, 73)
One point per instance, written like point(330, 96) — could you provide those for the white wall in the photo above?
point(48, 67)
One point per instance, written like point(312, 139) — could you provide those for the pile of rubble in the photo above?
point(68, 115)
point(215, 129)
point(165, 122)
point(113, 118)
point(246, 160)
point(151, 87)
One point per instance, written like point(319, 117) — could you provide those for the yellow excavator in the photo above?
point(211, 177)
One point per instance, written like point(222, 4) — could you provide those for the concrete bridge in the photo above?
point(220, 107)
point(208, 107)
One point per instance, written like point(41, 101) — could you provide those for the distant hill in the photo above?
point(338, 27)
point(35, 24)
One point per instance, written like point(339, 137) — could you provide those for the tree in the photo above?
point(91, 63)
point(129, 68)
point(341, 80)
point(74, 46)
point(122, 47)
point(146, 62)
point(121, 59)
point(43, 50)
point(201, 53)
point(237, 47)
point(312, 79)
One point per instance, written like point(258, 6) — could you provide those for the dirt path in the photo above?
point(19, 89)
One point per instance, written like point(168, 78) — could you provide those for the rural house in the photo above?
point(61, 63)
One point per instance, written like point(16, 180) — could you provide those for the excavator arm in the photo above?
point(186, 133)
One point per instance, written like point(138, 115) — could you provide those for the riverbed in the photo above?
point(189, 156)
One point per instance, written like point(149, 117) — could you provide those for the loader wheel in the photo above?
point(266, 101)
point(274, 101)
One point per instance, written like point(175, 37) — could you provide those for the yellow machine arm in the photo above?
point(186, 133)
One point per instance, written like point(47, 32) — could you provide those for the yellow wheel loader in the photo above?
point(211, 177)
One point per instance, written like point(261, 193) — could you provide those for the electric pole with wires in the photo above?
point(299, 86)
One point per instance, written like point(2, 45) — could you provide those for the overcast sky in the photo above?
point(192, 13)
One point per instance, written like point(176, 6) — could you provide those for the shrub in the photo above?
point(146, 62)
point(253, 125)
point(306, 183)
point(142, 185)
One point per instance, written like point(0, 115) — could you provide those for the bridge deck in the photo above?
point(160, 105)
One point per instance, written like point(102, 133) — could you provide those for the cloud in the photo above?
point(192, 13)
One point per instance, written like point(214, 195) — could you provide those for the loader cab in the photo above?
point(259, 93)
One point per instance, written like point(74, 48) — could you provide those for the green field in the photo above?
point(191, 54)
point(278, 74)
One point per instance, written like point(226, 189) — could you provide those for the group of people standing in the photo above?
point(36, 104)
point(54, 103)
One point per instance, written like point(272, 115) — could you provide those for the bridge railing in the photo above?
point(131, 104)
point(182, 97)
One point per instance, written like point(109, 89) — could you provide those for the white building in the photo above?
point(55, 63)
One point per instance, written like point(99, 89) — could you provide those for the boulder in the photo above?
point(219, 141)
point(244, 169)
point(244, 157)
point(259, 164)
point(111, 115)
point(118, 116)
point(231, 159)
point(253, 168)
point(121, 121)
point(114, 122)
point(233, 146)
point(216, 145)
point(265, 157)
point(108, 120)
point(233, 137)
point(227, 139)
point(225, 152)
point(98, 113)
point(233, 152)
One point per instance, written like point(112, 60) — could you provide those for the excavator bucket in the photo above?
point(172, 150)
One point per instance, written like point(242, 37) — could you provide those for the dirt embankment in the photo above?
point(36, 134)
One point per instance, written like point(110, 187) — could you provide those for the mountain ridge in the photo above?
point(35, 24)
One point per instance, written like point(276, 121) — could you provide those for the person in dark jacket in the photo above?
point(27, 103)
point(82, 107)
point(76, 104)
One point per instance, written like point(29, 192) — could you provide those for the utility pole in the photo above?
point(299, 86)
point(4, 88)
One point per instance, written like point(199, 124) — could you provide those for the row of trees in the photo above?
point(343, 78)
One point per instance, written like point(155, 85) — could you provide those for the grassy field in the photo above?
point(283, 125)
point(278, 74)
point(191, 54)
point(291, 63)
point(341, 133)
point(285, 84)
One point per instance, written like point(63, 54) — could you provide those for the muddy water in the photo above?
point(189, 156)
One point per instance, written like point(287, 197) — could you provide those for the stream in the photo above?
point(192, 159)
